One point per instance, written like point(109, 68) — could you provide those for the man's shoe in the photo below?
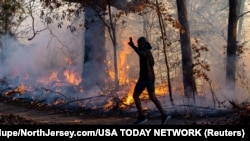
point(165, 119)
point(141, 120)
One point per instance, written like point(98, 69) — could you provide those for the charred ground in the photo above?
point(16, 111)
point(21, 112)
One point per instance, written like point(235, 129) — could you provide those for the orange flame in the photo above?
point(123, 67)
point(20, 89)
point(71, 77)
point(53, 75)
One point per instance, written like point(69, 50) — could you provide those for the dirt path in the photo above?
point(35, 115)
point(49, 116)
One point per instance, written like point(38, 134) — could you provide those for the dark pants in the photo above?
point(139, 87)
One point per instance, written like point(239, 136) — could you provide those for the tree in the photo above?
point(232, 44)
point(94, 63)
point(95, 53)
point(187, 64)
point(241, 6)
point(94, 58)
point(163, 33)
point(11, 16)
point(100, 9)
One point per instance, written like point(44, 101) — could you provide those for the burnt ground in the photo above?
point(15, 111)
point(25, 113)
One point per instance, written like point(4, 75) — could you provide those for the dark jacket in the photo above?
point(146, 61)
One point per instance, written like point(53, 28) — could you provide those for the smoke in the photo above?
point(209, 24)
point(42, 64)
point(21, 60)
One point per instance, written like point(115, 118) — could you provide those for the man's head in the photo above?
point(142, 42)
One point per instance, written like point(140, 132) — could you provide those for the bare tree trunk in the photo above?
point(163, 33)
point(94, 66)
point(187, 63)
point(231, 44)
point(112, 32)
point(241, 9)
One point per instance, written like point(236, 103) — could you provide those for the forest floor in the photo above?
point(21, 113)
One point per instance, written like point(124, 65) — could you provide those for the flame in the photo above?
point(20, 89)
point(122, 65)
point(160, 90)
point(111, 73)
point(108, 105)
point(53, 75)
point(128, 100)
point(71, 77)
point(124, 79)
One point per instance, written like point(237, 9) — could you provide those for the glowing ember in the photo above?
point(59, 101)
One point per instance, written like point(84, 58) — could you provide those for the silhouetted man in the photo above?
point(146, 79)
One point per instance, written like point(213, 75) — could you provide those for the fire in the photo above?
point(108, 105)
point(160, 90)
point(123, 66)
point(53, 75)
point(124, 78)
point(20, 89)
point(128, 100)
point(71, 77)
point(67, 76)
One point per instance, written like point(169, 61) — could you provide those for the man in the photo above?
point(146, 79)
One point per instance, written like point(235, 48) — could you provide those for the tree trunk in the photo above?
point(231, 44)
point(241, 9)
point(187, 69)
point(94, 66)
point(163, 33)
point(112, 32)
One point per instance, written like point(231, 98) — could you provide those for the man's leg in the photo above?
point(138, 104)
point(136, 96)
point(157, 103)
point(152, 96)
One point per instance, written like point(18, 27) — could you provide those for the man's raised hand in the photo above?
point(131, 43)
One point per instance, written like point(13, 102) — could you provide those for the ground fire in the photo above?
point(65, 85)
